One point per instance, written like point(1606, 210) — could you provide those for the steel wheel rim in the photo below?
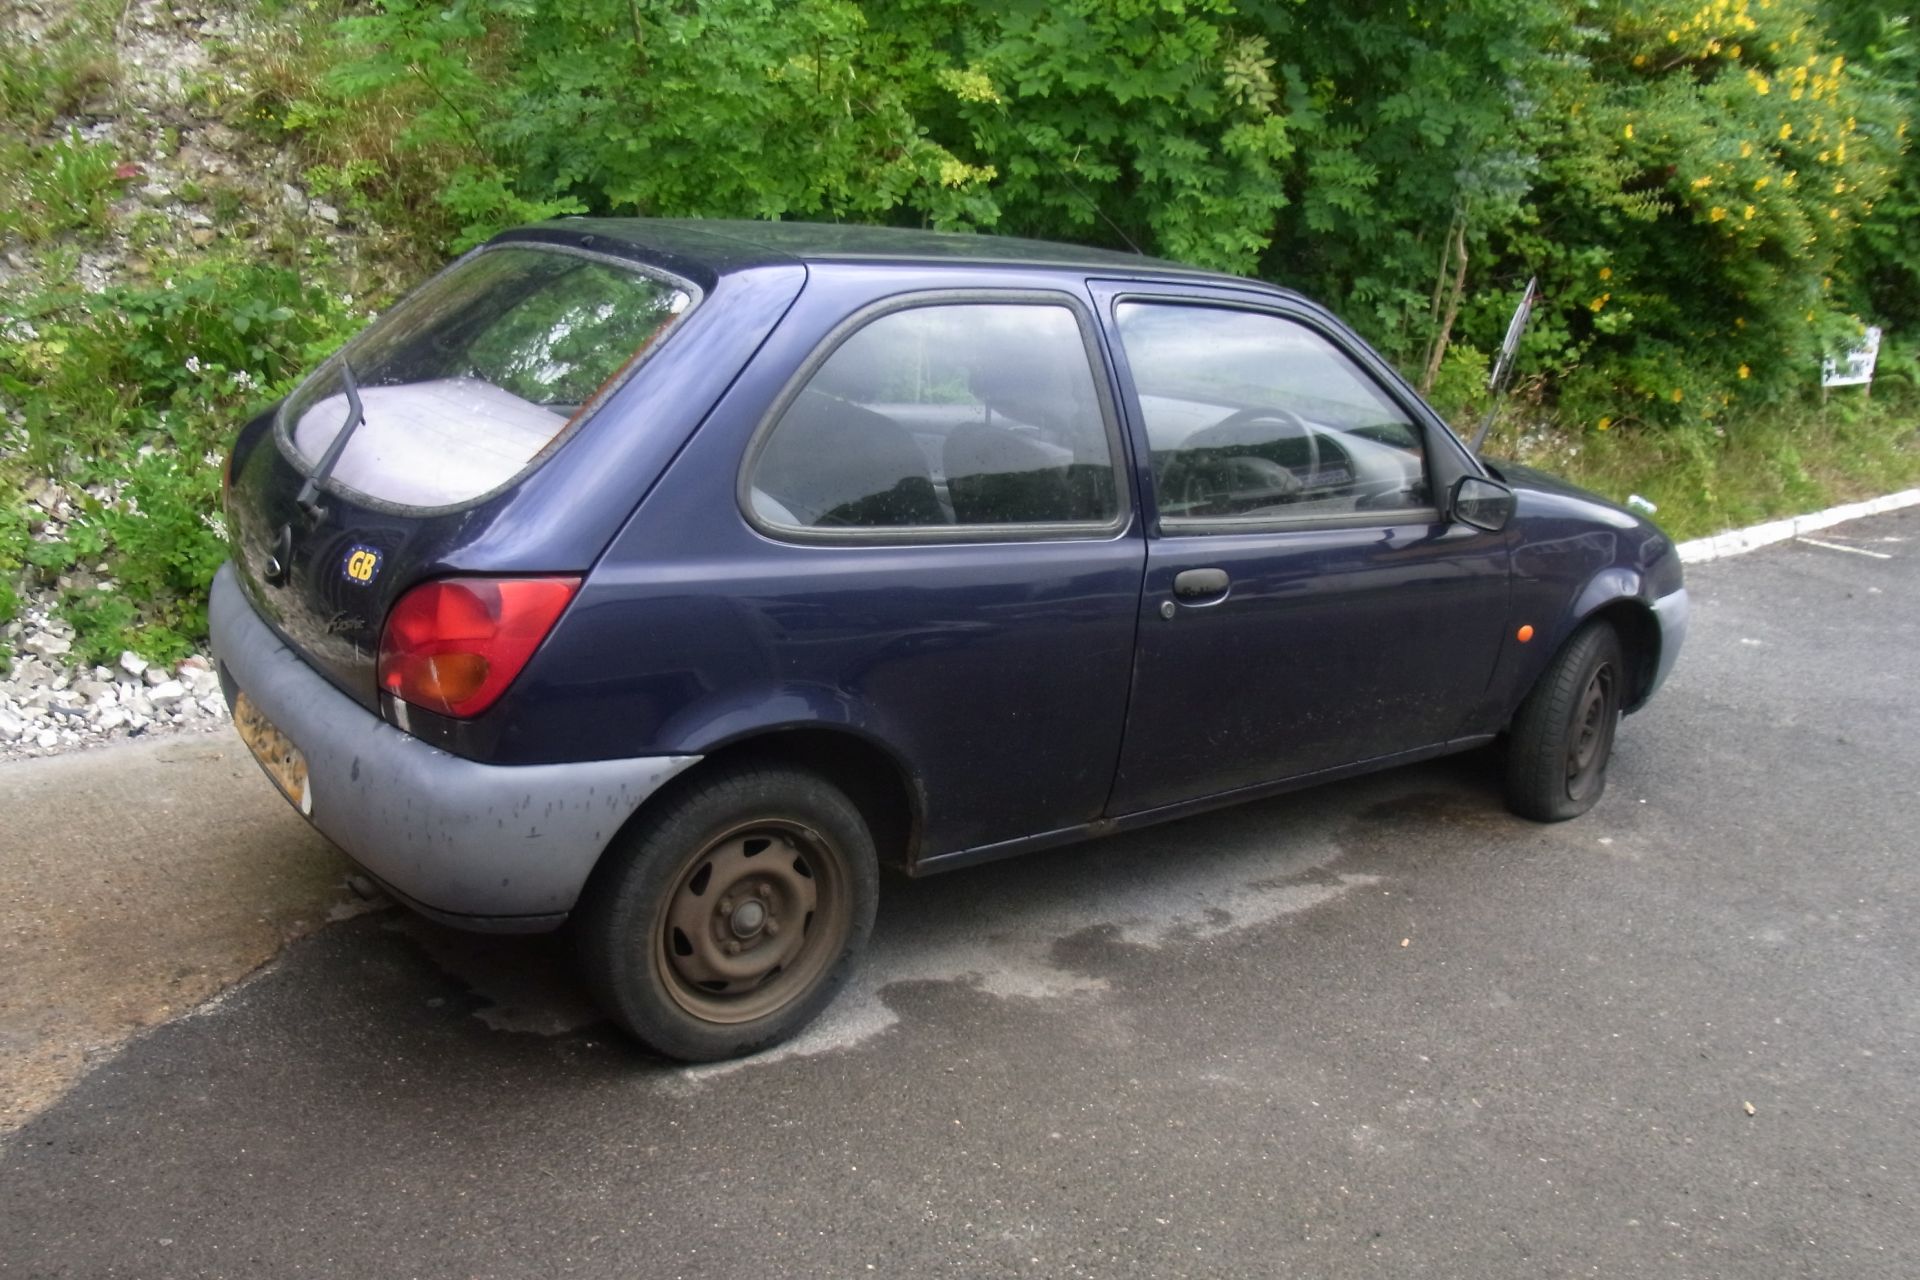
point(1591, 734)
point(754, 919)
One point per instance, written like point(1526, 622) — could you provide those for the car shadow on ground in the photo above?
point(1021, 927)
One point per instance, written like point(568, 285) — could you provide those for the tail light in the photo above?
point(453, 645)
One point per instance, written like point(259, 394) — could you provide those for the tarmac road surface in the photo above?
point(1380, 1028)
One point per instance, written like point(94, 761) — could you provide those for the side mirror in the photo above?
point(1482, 503)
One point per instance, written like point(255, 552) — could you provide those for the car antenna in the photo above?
point(1099, 212)
point(309, 495)
point(1503, 367)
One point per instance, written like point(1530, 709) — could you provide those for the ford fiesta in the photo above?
point(665, 578)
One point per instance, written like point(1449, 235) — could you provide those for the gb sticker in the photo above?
point(361, 566)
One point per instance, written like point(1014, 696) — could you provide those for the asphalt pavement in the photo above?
point(1378, 1028)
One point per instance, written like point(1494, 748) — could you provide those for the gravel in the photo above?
point(48, 705)
point(157, 116)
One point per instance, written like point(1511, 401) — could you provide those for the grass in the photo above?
point(56, 187)
point(1784, 462)
point(136, 390)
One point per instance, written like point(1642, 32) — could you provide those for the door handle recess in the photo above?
point(1200, 584)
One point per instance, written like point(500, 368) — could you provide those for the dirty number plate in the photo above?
point(276, 754)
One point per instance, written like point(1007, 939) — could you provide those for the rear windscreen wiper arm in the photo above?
point(309, 495)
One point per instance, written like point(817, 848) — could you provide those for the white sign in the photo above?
point(1857, 369)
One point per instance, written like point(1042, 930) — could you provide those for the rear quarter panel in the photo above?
point(994, 673)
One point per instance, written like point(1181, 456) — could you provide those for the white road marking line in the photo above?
point(1737, 541)
point(1836, 546)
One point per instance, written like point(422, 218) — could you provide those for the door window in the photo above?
point(1250, 415)
point(942, 416)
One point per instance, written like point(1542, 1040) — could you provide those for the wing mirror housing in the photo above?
point(1482, 503)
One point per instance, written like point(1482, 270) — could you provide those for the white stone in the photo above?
point(132, 663)
point(46, 645)
point(166, 692)
point(156, 675)
point(48, 738)
point(112, 718)
point(11, 726)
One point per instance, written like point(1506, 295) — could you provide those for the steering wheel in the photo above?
point(1211, 459)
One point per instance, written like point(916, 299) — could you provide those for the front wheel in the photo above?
point(1563, 733)
point(726, 919)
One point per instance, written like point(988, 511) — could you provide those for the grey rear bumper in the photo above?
point(495, 847)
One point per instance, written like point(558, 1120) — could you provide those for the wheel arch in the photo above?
point(1633, 622)
point(878, 782)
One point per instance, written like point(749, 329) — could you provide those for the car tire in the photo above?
point(1562, 736)
point(729, 914)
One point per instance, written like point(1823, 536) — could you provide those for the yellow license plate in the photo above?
point(275, 752)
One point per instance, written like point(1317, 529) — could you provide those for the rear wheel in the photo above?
point(726, 919)
point(1563, 733)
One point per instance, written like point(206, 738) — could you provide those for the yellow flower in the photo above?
point(1734, 52)
point(1628, 131)
point(1834, 214)
point(1639, 59)
point(1699, 183)
point(1760, 183)
point(1786, 131)
point(1603, 424)
point(1606, 273)
point(1744, 371)
point(1673, 37)
point(1748, 215)
point(1838, 64)
point(1677, 396)
point(1599, 302)
point(1716, 213)
point(1746, 149)
point(1739, 322)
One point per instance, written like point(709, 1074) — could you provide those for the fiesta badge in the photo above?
point(361, 566)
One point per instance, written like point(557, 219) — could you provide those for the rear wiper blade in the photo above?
point(309, 495)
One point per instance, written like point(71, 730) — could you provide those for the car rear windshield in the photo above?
point(480, 372)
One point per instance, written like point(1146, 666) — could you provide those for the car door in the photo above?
point(1307, 603)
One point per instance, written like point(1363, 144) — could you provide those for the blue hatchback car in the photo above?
point(665, 578)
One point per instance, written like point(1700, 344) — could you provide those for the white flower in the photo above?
point(193, 364)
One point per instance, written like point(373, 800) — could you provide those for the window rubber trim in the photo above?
point(283, 430)
point(924, 534)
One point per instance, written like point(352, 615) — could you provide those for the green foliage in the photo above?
point(47, 189)
point(41, 81)
point(138, 389)
point(1713, 193)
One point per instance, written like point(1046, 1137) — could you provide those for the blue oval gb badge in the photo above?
point(361, 566)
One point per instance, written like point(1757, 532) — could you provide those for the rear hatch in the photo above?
point(464, 391)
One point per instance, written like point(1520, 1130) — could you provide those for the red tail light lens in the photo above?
point(454, 645)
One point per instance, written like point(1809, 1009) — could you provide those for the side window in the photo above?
point(1251, 415)
point(943, 415)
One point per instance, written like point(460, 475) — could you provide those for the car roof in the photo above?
point(719, 246)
